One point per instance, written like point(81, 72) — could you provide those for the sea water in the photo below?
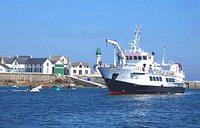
point(94, 107)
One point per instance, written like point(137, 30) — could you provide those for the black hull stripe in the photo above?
point(118, 87)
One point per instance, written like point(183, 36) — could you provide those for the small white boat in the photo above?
point(14, 86)
point(35, 89)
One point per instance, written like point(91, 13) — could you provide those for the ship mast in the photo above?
point(137, 37)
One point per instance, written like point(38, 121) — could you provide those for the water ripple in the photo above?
point(93, 107)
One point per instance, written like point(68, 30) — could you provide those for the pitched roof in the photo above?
point(55, 58)
point(75, 64)
point(22, 60)
point(25, 57)
point(5, 66)
point(8, 60)
point(36, 60)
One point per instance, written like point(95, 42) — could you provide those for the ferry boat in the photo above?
point(134, 71)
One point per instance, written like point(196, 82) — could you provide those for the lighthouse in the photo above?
point(98, 56)
point(98, 61)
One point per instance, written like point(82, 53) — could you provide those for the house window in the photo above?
point(15, 63)
point(47, 64)
point(80, 72)
point(80, 66)
point(74, 71)
point(86, 71)
point(135, 57)
point(40, 69)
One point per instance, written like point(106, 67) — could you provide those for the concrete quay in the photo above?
point(192, 84)
point(87, 82)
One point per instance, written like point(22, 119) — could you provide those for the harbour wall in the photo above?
point(26, 78)
point(47, 80)
point(51, 79)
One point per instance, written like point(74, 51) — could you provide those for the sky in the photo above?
point(78, 27)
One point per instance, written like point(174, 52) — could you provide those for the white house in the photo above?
point(16, 63)
point(78, 68)
point(4, 68)
point(59, 64)
point(39, 65)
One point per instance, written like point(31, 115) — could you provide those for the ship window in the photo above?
point(167, 79)
point(157, 79)
point(150, 77)
point(130, 57)
point(114, 76)
point(144, 57)
point(160, 78)
point(135, 57)
point(127, 58)
point(139, 57)
point(173, 80)
point(154, 78)
point(132, 75)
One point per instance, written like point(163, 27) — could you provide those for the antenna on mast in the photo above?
point(163, 59)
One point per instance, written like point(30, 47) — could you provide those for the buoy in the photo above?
point(57, 88)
